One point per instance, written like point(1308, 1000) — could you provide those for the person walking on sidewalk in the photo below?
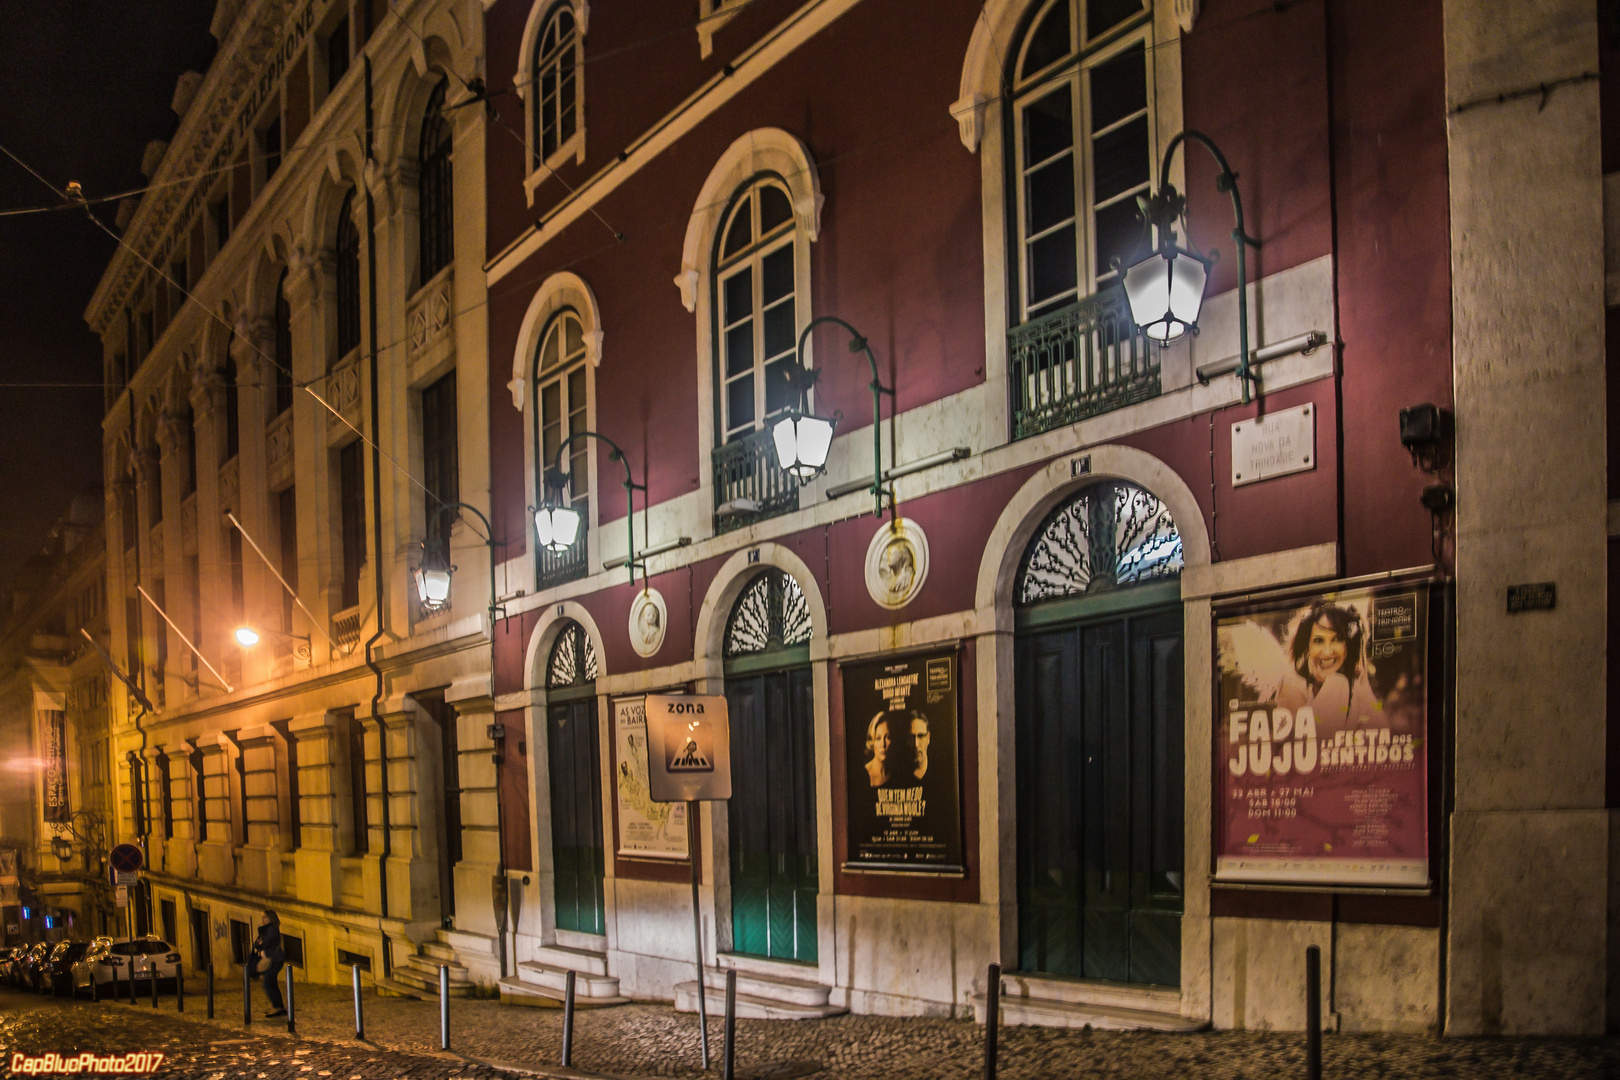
point(267, 960)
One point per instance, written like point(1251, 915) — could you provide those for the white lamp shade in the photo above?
point(246, 635)
point(432, 585)
point(556, 527)
point(1166, 292)
point(802, 443)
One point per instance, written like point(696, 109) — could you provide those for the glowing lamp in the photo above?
point(802, 443)
point(1166, 291)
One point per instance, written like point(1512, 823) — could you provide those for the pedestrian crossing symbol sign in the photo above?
point(688, 747)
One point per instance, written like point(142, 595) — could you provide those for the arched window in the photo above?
point(573, 659)
point(1110, 536)
point(1083, 148)
point(283, 321)
point(757, 318)
point(348, 278)
point(770, 614)
point(555, 89)
point(436, 205)
point(560, 374)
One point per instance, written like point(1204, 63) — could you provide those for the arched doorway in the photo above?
point(772, 811)
point(1099, 717)
point(572, 761)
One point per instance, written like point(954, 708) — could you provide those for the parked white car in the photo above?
point(110, 962)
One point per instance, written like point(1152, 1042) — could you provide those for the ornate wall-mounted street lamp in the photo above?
point(1166, 289)
point(556, 524)
point(803, 440)
point(433, 575)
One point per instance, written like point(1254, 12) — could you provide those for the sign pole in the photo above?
point(697, 928)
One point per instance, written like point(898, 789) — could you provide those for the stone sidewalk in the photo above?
point(646, 1040)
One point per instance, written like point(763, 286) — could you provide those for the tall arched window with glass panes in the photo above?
point(1083, 138)
point(436, 202)
point(755, 289)
point(561, 409)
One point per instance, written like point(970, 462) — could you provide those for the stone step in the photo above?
point(427, 984)
point(549, 978)
point(427, 968)
point(780, 988)
point(1046, 1012)
point(517, 991)
point(581, 960)
point(466, 942)
point(750, 1007)
point(438, 950)
point(1079, 992)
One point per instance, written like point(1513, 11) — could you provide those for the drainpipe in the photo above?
point(140, 653)
point(376, 526)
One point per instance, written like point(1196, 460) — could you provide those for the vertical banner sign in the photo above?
point(56, 778)
point(647, 829)
point(904, 811)
point(1321, 739)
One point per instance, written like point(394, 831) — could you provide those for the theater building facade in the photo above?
point(1138, 676)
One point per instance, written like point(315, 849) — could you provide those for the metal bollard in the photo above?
point(359, 1019)
point(568, 1020)
point(247, 995)
point(291, 1030)
point(992, 1019)
point(729, 1049)
point(444, 1007)
point(151, 971)
point(132, 980)
point(1313, 1013)
point(95, 988)
point(210, 989)
point(180, 986)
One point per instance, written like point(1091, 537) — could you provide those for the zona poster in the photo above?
point(1321, 739)
point(903, 796)
point(647, 829)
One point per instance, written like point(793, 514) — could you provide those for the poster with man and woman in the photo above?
point(1321, 739)
point(904, 813)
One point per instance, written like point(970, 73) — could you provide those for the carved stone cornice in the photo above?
point(208, 138)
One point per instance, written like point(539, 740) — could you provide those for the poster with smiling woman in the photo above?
point(1321, 739)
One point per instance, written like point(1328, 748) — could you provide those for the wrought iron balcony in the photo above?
point(749, 486)
point(1078, 361)
point(557, 567)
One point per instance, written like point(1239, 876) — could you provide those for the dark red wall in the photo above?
point(899, 255)
point(1392, 201)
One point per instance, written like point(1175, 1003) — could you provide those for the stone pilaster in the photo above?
point(1530, 848)
point(322, 787)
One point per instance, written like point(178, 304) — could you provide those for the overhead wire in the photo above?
point(247, 339)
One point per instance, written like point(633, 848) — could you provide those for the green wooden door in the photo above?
point(1100, 798)
point(576, 815)
point(772, 813)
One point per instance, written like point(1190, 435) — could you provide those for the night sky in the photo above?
point(83, 87)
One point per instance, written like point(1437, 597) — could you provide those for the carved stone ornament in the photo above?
point(897, 563)
point(649, 619)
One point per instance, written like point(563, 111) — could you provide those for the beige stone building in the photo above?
point(55, 739)
point(294, 345)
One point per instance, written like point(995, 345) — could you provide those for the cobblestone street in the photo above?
point(652, 1040)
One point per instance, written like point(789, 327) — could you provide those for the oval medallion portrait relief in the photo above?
point(648, 620)
point(897, 563)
